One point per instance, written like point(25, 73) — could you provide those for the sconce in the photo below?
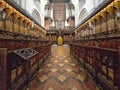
point(32, 25)
point(4, 15)
point(90, 26)
point(118, 15)
point(118, 18)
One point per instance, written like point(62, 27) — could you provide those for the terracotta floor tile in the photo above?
point(55, 74)
point(61, 72)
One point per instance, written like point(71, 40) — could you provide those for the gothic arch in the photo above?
point(36, 15)
point(81, 3)
point(37, 3)
point(83, 14)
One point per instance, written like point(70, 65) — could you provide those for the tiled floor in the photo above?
point(61, 72)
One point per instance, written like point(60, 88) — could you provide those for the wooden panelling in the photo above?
point(18, 71)
point(101, 63)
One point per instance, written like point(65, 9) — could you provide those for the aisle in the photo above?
point(61, 72)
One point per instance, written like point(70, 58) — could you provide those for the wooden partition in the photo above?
point(105, 23)
point(42, 52)
point(101, 63)
point(3, 69)
point(16, 23)
point(17, 71)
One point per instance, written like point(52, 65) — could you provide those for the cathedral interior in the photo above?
point(59, 44)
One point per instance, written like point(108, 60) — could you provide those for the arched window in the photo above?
point(71, 9)
point(83, 14)
point(48, 9)
point(36, 15)
point(37, 3)
point(81, 3)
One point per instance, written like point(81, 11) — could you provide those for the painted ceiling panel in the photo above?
point(59, 11)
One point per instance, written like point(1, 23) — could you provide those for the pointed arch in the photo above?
point(81, 3)
point(83, 14)
point(37, 3)
point(36, 15)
